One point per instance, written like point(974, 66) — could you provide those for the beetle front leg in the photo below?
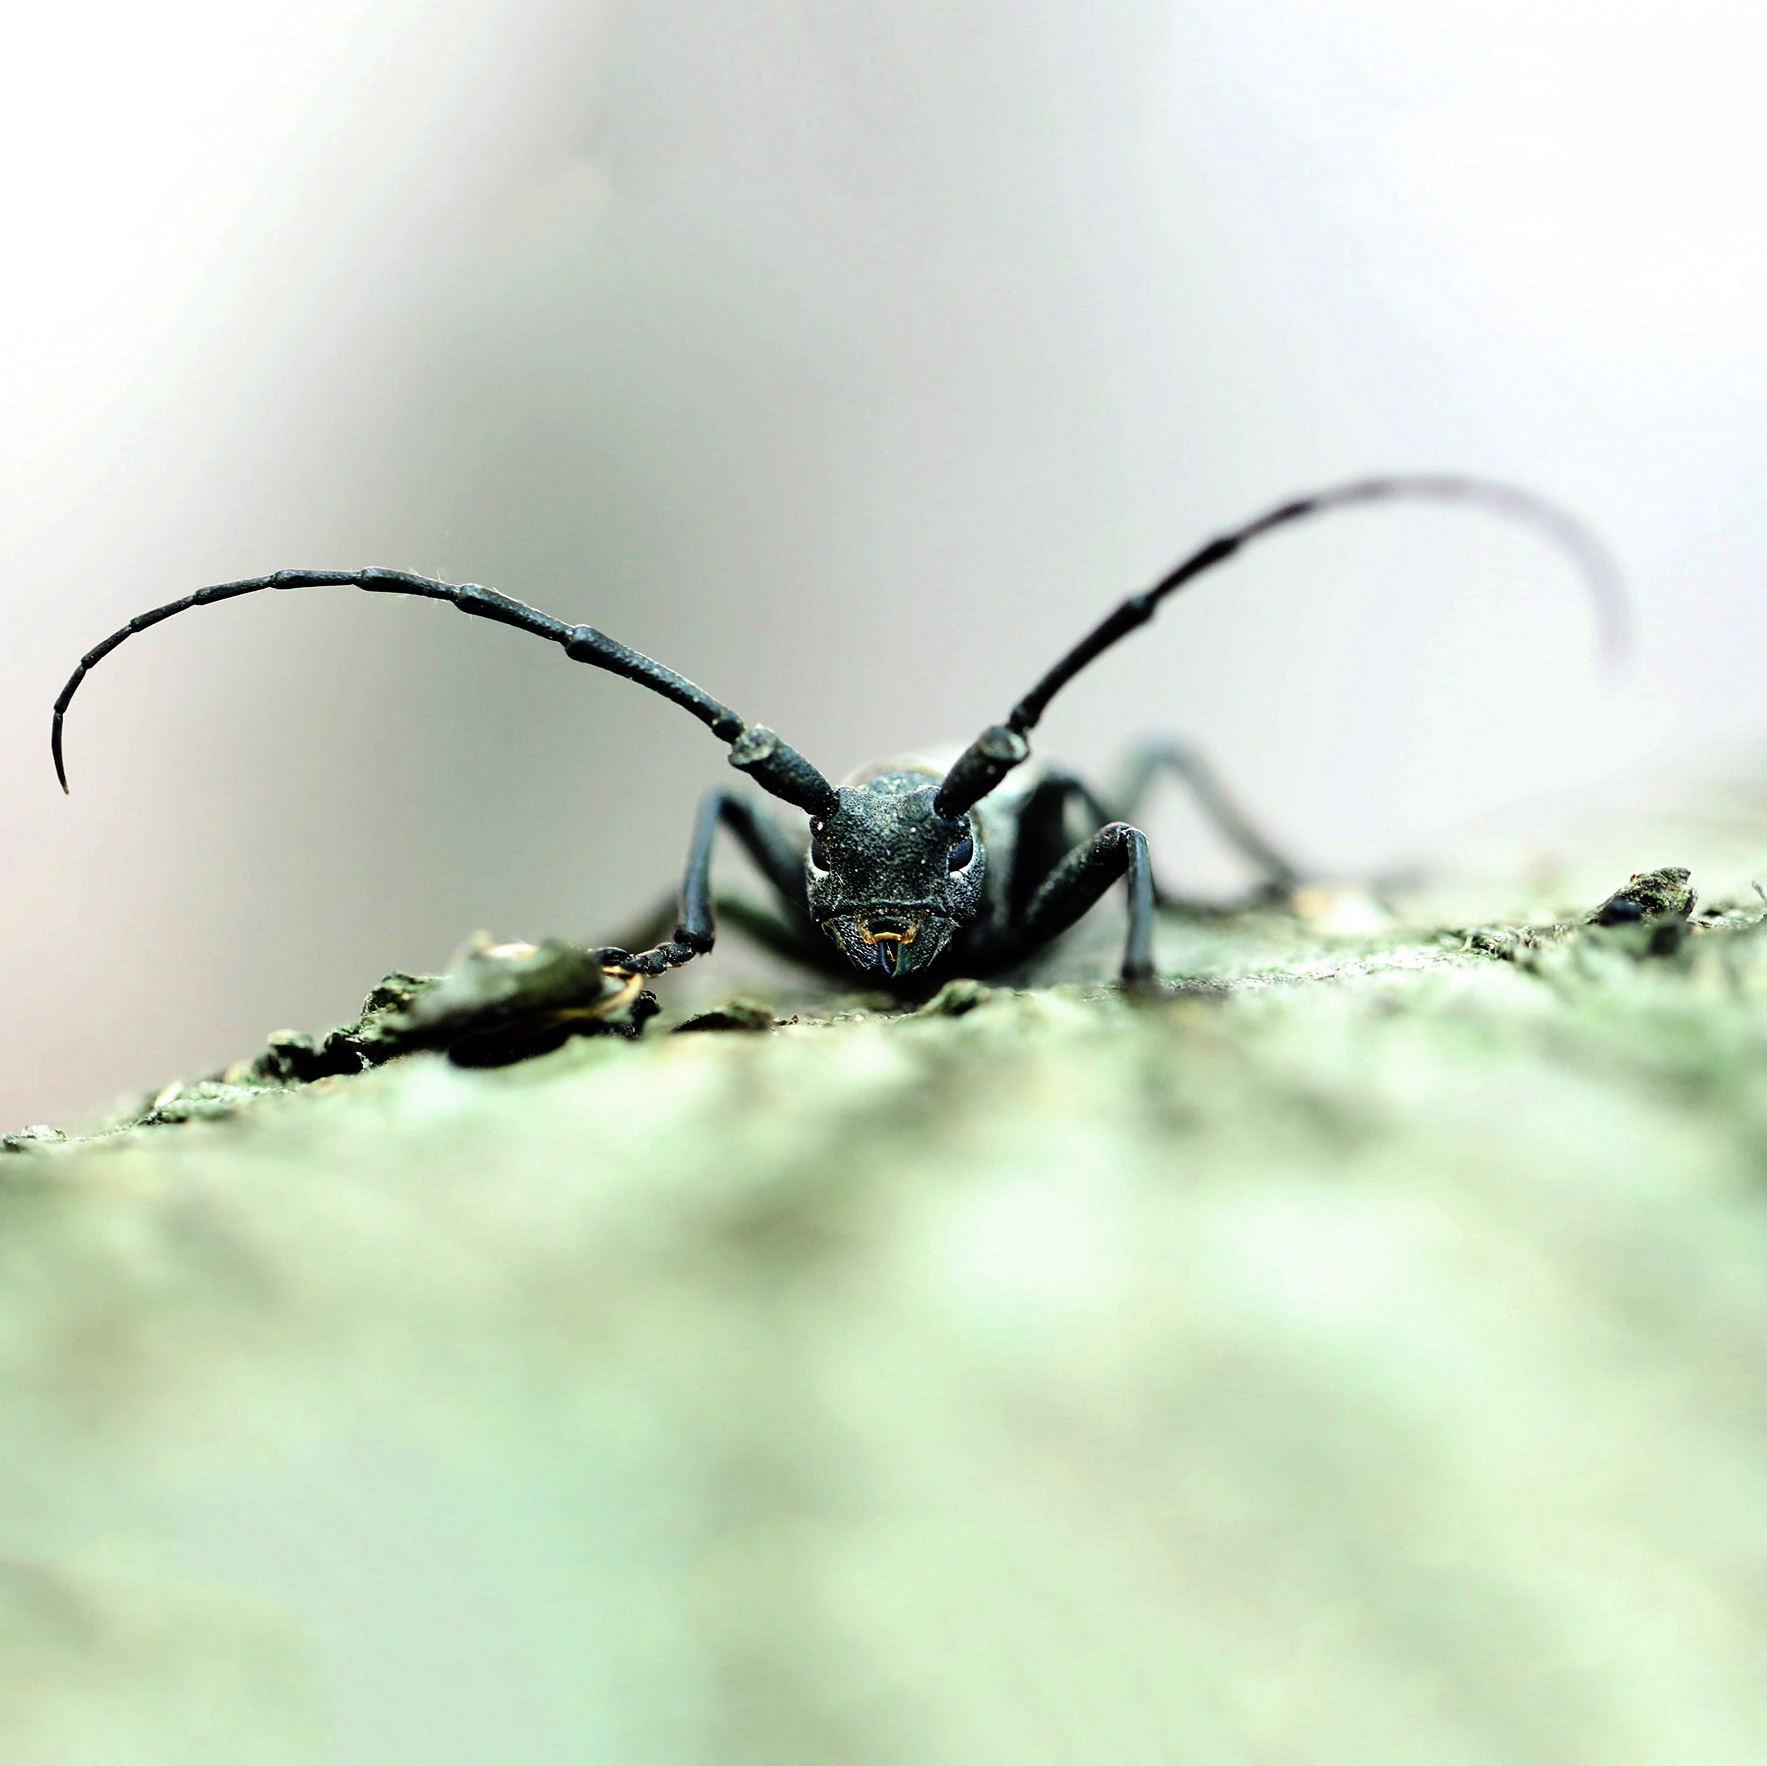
point(1118, 851)
point(778, 859)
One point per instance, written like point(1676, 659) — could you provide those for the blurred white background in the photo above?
point(851, 359)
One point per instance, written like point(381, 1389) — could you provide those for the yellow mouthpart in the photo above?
point(871, 937)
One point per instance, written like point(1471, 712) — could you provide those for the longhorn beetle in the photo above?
point(918, 874)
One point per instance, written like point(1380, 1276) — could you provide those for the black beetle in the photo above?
point(919, 872)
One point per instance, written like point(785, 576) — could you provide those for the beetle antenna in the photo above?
point(1001, 747)
point(754, 749)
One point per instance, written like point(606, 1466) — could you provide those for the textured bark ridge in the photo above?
point(1357, 1356)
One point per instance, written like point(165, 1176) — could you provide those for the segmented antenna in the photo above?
point(754, 749)
point(1001, 747)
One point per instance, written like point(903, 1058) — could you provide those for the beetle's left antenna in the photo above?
point(1001, 747)
point(754, 749)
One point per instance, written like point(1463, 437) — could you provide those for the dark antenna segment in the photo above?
point(754, 749)
point(1001, 747)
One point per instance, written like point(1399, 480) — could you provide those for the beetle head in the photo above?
point(888, 878)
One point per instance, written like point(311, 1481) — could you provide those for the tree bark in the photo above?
point(1358, 1356)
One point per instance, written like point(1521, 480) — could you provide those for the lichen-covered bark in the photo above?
point(1358, 1357)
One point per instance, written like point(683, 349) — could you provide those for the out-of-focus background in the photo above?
point(851, 359)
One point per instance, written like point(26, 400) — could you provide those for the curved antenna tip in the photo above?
point(1617, 640)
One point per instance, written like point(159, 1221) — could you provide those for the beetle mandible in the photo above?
point(919, 873)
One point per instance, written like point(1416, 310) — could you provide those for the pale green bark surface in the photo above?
point(1361, 1360)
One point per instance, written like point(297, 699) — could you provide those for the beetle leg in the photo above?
point(1148, 760)
point(1045, 834)
point(774, 853)
point(1115, 852)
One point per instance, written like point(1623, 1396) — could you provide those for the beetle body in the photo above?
point(913, 871)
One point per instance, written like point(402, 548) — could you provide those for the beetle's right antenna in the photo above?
point(1001, 747)
point(754, 749)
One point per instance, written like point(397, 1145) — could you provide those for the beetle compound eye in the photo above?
point(818, 854)
point(961, 854)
